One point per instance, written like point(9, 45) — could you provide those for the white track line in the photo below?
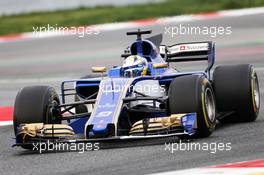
point(6, 123)
point(216, 171)
point(248, 167)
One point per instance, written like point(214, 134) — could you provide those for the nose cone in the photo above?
point(107, 108)
point(98, 130)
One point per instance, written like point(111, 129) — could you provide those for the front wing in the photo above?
point(162, 127)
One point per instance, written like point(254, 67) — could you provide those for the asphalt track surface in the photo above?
point(49, 60)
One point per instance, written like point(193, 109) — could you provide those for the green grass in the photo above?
point(106, 14)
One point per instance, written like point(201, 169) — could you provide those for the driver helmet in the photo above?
point(134, 66)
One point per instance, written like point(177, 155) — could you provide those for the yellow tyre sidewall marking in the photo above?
point(253, 77)
point(203, 107)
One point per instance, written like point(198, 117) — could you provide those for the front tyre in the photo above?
point(33, 104)
point(194, 93)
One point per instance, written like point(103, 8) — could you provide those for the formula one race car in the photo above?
point(143, 98)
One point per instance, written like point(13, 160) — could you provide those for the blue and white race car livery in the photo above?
point(143, 98)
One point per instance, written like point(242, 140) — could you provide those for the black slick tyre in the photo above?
point(193, 93)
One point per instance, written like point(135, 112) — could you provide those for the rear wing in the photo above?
point(194, 51)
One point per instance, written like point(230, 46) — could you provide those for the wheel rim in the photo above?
point(210, 104)
point(256, 95)
point(49, 114)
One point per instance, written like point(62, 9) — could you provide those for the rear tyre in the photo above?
point(193, 93)
point(237, 89)
point(82, 108)
point(32, 105)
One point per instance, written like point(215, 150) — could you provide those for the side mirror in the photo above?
point(160, 65)
point(98, 69)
